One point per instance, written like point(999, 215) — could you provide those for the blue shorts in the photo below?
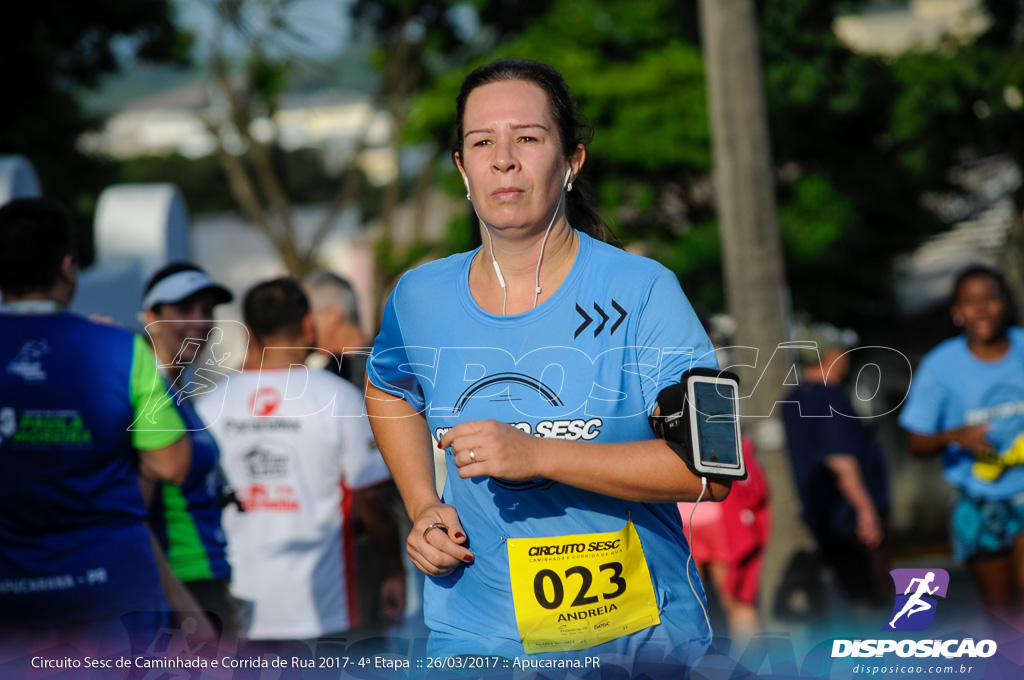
point(983, 525)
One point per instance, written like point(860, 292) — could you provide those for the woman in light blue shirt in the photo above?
point(966, 402)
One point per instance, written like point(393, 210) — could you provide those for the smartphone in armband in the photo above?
point(698, 417)
point(712, 423)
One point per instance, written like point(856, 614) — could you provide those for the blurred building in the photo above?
point(980, 219)
point(890, 28)
point(333, 122)
point(228, 247)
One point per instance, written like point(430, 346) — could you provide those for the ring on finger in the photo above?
point(436, 525)
point(472, 456)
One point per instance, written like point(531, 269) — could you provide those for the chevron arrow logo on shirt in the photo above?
point(587, 319)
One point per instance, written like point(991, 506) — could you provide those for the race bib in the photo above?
point(574, 592)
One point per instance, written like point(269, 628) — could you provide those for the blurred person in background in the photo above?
point(301, 464)
point(335, 309)
point(336, 321)
point(83, 415)
point(966, 403)
point(839, 471)
point(177, 310)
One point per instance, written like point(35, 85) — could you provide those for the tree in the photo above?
point(755, 279)
point(867, 137)
point(848, 201)
point(847, 206)
point(637, 73)
point(51, 52)
point(966, 102)
point(251, 164)
point(847, 183)
point(410, 40)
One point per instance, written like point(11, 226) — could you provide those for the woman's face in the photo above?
point(980, 303)
point(184, 326)
point(511, 156)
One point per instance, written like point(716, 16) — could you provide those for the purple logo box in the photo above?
point(916, 593)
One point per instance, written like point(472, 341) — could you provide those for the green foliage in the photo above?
point(855, 203)
point(51, 51)
point(651, 113)
point(959, 98)
point(459, 236)
point(696, 257)
point(636, 80)
point(268, 77)
point(201, 180)
point(857, 138)
point(963, 101)
point(391, 262)
point(813, 219)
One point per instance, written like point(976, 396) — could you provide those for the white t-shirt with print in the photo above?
point(294, 445)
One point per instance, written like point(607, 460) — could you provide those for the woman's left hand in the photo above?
point(488, 448)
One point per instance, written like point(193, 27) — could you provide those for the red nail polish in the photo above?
point(468, 558)
point(458, 535)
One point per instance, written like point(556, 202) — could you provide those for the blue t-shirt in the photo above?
point(818, 421)
point(953, 388)
point(186, 518)
point(587, 364)
point(75, 404)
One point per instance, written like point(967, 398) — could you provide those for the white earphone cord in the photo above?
point(703, 488)
point(494, 262)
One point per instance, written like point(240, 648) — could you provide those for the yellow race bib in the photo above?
point(574, 592)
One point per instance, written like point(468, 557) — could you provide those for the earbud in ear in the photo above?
point(565, 181)
point(465, 180)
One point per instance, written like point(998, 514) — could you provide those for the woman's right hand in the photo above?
point(434, 549)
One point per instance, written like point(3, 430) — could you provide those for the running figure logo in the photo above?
point(915, 607)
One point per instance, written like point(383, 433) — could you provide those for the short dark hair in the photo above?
point(275, 306)
point(1010, 310)
point(36, 234)
point(573, 128)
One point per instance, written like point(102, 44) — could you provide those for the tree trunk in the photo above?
point(752, 251)
point(755, 285)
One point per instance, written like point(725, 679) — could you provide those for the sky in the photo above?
point(319, 28)
point(320, 32)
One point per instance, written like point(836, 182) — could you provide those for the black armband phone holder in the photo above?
point(699, 419)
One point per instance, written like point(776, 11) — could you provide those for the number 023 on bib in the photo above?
point(574, 592)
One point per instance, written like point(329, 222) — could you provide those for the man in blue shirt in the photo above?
point(83, 414)
point(839, 473)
